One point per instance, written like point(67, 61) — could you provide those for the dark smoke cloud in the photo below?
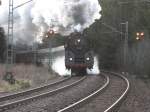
point(78, 14)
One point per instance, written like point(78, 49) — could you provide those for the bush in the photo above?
point(23, 84)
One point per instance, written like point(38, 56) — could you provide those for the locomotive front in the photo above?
point(78, 56)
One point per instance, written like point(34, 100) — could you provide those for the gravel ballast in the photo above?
point(138, 99)
point(50, 88)
point(52, 80)
point(64, 98)
point(106, 98)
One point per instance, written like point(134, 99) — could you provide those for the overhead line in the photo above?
point(22, 4)
point(134, 2)
point(112, 28)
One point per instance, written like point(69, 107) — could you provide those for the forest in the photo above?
point(116, 42)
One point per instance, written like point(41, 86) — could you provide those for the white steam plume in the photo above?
point(63, 16)
point(59, 67)
point(24, 29)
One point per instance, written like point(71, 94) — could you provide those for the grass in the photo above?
point(22, 84)
point(26, 76)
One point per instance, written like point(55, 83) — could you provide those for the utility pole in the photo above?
point(8, 76)
point(51, 34)
point(9, 59)
point(50, 57)
point(35, 47)
point(125, 48)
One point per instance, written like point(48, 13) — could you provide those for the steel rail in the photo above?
point(28, 99)
point(86, 98)
point(109, 109)
point(29, 91)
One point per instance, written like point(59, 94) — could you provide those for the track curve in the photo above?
point(13, 104)
point(110, 109)
point(110, 99)
point(79, 96)
point(29, 91)
point(63, 98)
point(68, 108)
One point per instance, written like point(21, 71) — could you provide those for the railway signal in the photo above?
point(50, 33)
point(139, 35)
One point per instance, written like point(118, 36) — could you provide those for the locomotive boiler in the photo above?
point(78, 55)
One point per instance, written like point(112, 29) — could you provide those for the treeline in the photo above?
point(2, 45)
point(107, 36)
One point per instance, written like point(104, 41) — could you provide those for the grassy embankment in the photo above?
point(26, 76)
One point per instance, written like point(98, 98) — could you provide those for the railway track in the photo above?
point(107, 101)
point(29, 91)
point(63, 98)
point(123, 95)
point(11, 101)
point(82, 95)
point(76, 104)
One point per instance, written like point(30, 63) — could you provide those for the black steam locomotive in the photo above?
point(78, 55)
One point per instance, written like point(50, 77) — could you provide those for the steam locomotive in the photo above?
point(78, 55)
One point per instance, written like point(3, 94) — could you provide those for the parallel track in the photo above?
point(68, 108)
point(29, 91)
point(77, 104)
point(28, 99)
point(123, 95)
point(110, 108)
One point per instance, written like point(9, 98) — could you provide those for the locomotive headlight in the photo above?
point(78, 40)
point(88, 59)
point(70, 59)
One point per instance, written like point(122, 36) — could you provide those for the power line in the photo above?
point(112, 28)
point(10, 48)
point(133, 2)
point(22, 4)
